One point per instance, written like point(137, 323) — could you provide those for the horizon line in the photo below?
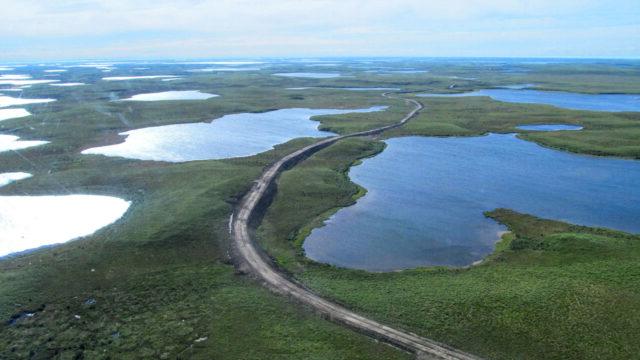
point(321, 57)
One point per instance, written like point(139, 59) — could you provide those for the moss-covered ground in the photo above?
point(158, 282)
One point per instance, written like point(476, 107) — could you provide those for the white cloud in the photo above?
point(70, 17)
point(186, 28)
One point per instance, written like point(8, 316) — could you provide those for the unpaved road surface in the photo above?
point(250, 258)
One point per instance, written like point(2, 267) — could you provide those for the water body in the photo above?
point(230, 136)
point(518, 86)
point(406, 71)
point(347, 88)
point(229, 63)
point(426, 198)
point(11, 142)
point(550, 127)
point(25, 82)
point(6, 114)
point(370, 89)
point(68, 84)
point(310, 75)
point(58, 218)
point(597, 102)
point(14, 77)
point(6, 101)
point(172, 95)
point(123, 78)
point(7, 178)
point(225, 69)
point(323, 65)
point(99, 66)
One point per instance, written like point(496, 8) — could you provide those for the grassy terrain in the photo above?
point(551, 290)
point(613, 134)
point(160, 277)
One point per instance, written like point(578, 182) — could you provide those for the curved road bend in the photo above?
point(250, 258)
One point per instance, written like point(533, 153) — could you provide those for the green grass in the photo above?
point(161, 278)
point(609, 134)
point(317, 187)
point(551, 290)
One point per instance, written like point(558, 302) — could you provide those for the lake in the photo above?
point(7, 178)
point(6, 101)
point(426, 198)
point(145, 77)
point(550, 127)
point(230, 136)
point(29, 222)
point(12, 142)
point(21, 80)
point(6, 114)
point(347, 88)
point(68, 84)
point(225, 69)
point(567, 100)
point(310, 75)
point(172, 95)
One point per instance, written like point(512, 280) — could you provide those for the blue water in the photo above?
point(426, 198)
point(230, 136)
point(567, 100)
point(310, 75)
point(550, 127)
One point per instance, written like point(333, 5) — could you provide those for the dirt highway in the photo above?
point(250, 258)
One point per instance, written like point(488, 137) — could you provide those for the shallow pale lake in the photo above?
point(426, 198)
point(6, 101)
point(230, 136)
point(6, 114)
point(172, 95)
point(550, 127)
point(29, 222)
point(7, 178)
point(12, 142)
point(567, 100)
point(310, 75)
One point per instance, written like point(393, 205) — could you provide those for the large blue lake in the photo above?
point(567, 100)
point(234, 135)
point(421, 209)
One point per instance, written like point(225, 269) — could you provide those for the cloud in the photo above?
point(287, 27)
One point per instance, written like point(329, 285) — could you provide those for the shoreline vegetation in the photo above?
point(411, 293)
point(550, 290)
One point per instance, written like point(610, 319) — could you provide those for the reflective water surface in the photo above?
point(29, 222)
point(310, 75)
point(6, 101)
point(68, 84)
point(550, 127)
point(172, 95)
point(6, 114)
point(426, 198)
point(12, 142)
point(567, 100)
point(122, 78)
point(7, 178)
point(230, 136)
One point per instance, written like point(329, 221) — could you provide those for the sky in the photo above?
point(180, 29)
